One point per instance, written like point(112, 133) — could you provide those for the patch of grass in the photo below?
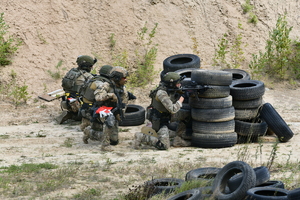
point(68, 142)
point(28, 168)
point(58, 73)
point(247, 7)
point(92, 193)
point(4, 136)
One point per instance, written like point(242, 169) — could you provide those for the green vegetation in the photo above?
point(59, 73)
point(248, 9)
point(8, 45)
point(15, 92)
point(281, 58)
point(230, 51)
point(141, 67)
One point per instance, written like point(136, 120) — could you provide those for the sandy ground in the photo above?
point(42, 142)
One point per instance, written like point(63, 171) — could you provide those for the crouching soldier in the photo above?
point(90, 124)
point(164, 104)
point(71, 83)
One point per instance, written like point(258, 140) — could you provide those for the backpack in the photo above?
point(69, 80)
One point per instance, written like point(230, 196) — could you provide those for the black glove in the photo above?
point(131, 96)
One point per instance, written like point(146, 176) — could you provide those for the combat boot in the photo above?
point(179, 142)
point(163, 137)
point(86, 135)
point(64, 116)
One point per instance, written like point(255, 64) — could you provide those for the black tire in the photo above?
point(294, 194)
point(276, 123)
point(134, 115)
point(229, 170)
point(187, 73)
point(206, 174)
point(246, 114)
point(213, 114)
point(213, 127)
point(193, 194)
point(206, 103)
point(211, 77)
point(217, 140)
point(267, 193)
point(238, 74)
point(181, 61)
point(247, 89)
point(245, 128)
point(262, 175)
point(272, 183)
point(215, 91)
point(246, 104)
point(163, 185)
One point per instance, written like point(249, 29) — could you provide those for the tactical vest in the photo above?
point(156, 103)
point(88, 89)
point(69, 80)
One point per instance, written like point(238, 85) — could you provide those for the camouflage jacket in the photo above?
point(164, 102)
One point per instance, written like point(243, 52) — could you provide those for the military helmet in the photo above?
point(85, 62)
point(105, 70)
point(171, 79)
point(118, 72)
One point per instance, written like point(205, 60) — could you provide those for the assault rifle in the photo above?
point(193, 89)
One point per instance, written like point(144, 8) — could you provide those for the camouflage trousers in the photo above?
point(111, 134)
point(162, 142)
point(165, 139)
point(93, 132)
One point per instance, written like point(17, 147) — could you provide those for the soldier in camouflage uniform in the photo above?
point(91, 126)
point(71, 84)
point(113, 94)
point(164, 104)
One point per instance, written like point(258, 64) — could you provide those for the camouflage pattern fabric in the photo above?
point(86, 76)
point(105, 94)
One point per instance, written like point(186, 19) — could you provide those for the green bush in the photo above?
point(281, 57)
point(8, 45)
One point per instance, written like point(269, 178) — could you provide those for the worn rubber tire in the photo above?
point(245, 128)
point(164, 185)
point(272, 183)
point(229, 170)
point(267, 193)
point(262, 175)
point(246, 114)
point(294, 194)
point(215, 91)
point(247, 89)
point(253, 103)
point(213, 114)
point(217, 140)
point(193, 194)
point(181, 61)
point(134, 115)
point(238, 74)
point(206, 103)
point(276, 123)
point(205, 174)
point(213, 127)
point(211, 77)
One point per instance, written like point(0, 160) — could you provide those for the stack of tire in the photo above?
point(182, 64)
point(212, 112)
point(247, 99)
